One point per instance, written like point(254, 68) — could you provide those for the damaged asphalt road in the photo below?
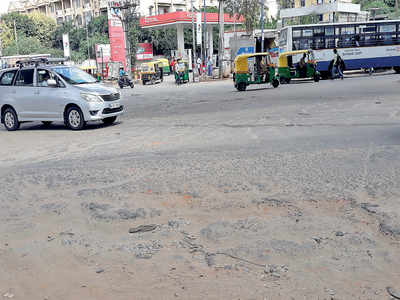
point(288, 193)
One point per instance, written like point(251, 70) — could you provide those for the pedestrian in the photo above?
point(199, 65)
point(210, 67)
point(337, 65)
point(171, 65)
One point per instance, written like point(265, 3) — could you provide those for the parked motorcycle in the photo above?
point(125, 81)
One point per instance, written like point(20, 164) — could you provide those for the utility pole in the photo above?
point(127, 11)
point(87, 40)
point(262, 25)
point(193, 45)
point(205, 32)
point(16, 37)
point(221, 39)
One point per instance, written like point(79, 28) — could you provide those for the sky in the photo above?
point(4, 6)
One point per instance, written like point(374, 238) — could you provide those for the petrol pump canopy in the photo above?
point(183, 17)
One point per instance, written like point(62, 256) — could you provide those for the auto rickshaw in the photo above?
point(151, 72)
point(181, 71)
point(254, 68)
point(289, 68)
point(165, 66)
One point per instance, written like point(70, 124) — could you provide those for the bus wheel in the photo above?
point(282, 80)
point(397, 69)
point(275, 83)
point(241, 87)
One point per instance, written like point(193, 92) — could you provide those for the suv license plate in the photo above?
point(115, 105)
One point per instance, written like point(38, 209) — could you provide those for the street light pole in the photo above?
point(193, 45)
point(262, 25)
point(221, 38)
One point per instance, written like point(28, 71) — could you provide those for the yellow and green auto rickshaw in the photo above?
point(254, 68)
point(151, 72)
point(181, 71)
point(290, 67)
point(165, 66)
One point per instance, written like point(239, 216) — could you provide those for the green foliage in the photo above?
point(30, 45)
point(386, 6)
point(44, 28)
point(249, 9)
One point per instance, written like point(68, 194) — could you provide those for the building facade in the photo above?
point(78, 11)
point(82, 11)
point(322, 11)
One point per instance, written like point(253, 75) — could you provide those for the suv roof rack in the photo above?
point(40, 61)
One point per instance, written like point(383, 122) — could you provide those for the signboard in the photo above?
point(144, 51)
point(66, 45)
point(116, 33)
point(103, 53)
point(198, 29)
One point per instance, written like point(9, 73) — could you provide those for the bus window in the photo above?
point(296, 45)
point(296, 33)
point(337, 30)
point(330, 43)
point(319, 43)
point(283, 38)
point(387, 39)
point(348, 30)
point(329, 31)
point(387, 28)
point(305, 44)
point(319, 31)
point(307, 32)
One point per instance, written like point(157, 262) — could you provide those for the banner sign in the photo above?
point(116, 33)
point(103, 53)
point(66, 45)
point(198, 29)
point(144, 51)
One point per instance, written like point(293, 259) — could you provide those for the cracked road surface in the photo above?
point(287, 193)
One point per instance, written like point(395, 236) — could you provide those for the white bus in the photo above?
point(362, 45)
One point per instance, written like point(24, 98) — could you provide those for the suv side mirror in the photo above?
point(52, 83)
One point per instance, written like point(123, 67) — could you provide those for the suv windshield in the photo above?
point(74, 75)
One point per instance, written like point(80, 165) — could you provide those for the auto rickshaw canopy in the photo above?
point(241, 61)
point(149, 67)
point(164, 62)
point(283, 57)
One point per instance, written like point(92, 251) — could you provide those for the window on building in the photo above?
point(320, 1)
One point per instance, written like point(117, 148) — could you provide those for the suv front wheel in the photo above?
point(10, 119)
point(74, 119)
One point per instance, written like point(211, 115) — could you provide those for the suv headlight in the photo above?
point(91, 98)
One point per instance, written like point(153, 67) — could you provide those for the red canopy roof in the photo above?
point(183, 17)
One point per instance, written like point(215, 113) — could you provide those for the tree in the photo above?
point(44, 28)
point(29, 45)
point(248, 9)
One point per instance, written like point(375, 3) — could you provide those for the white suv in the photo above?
point(51, 93)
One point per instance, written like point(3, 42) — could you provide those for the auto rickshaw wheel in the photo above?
point(316, 78)
point(397, 69)
point(275, 83)
point(241, 87)
point(152, 80)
